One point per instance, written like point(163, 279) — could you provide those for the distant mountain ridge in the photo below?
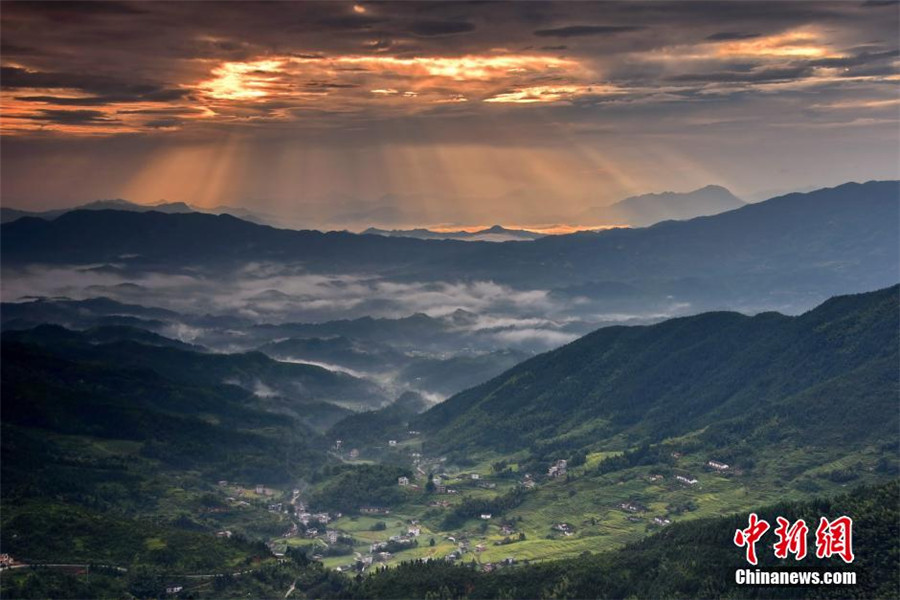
point(634, 211)
point(497, 233)
point(647, 209)
point(9, 215)
point(788, 251)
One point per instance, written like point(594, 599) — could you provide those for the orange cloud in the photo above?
point(243, 80)
point(290, 77)
point(547, 93)
point(800, 43)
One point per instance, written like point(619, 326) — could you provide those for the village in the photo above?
point(374, 535)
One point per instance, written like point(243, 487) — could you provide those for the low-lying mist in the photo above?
point(435, 338)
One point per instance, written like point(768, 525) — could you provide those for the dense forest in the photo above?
point(768, 378)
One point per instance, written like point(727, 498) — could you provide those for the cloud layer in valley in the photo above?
point(278, 294)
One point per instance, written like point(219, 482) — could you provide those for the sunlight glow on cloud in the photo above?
point(243, 81)
point(791, 44)
point(546, 93)
point(257, 87)
point(289, 77)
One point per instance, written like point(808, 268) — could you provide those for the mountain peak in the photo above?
point(647, 209)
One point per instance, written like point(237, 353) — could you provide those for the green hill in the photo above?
point(223, 431)
point(690, 560)
point(826, 377)
point(254, 371)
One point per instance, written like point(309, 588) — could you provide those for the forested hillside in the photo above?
point(828, 376)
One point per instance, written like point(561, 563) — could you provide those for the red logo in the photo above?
point(791, 540)
point(833, 537)
point(748, 537)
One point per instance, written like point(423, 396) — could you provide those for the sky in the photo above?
point(465, 113)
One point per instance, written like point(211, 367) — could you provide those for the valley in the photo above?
point(253, 478)
point(250, 440)
point(449, 300)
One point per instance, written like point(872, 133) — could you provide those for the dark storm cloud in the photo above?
point(155, 96)
point(71, 117)
point(585, 30)
point(864, 58)
point(731, 35)
point(163, 123)
point(106, 89)
point(753, 76)
point(429, 28)
point(330, 85)
point(66, 8)
point(351, 22)
point(16, 77)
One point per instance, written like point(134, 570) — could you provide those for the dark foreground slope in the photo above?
point(690, 560)
point(254, 371)
point(826, 377)
point(103, 463)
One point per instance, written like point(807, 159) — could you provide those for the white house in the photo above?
point(718, 466)
point(687, 480)
point(404, 481)
point(486, 516)
point(558, 468)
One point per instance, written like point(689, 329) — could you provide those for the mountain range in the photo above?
point(8, 215)
point(786, 253)
point(634, 211)
point(828, 376)
point(647, 209)
point(497, 233)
